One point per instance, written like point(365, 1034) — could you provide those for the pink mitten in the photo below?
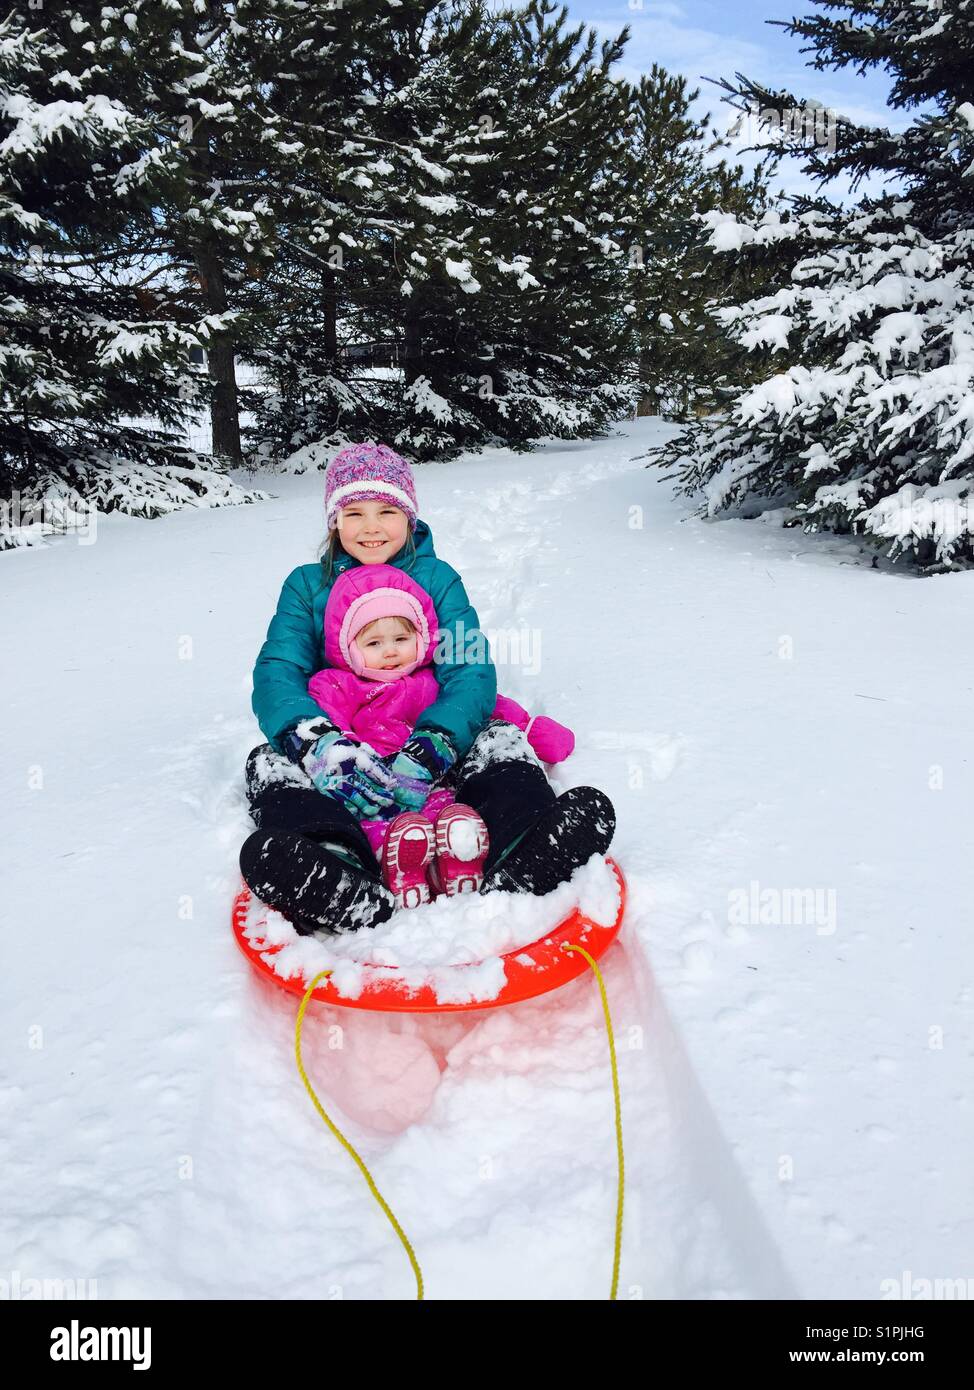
point(552, 742)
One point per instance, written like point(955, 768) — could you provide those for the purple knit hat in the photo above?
point(360, 472)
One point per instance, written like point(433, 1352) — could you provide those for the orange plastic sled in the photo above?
point(530, 970)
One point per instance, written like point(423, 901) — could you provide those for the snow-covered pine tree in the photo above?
point(504, 307)
point(283, 164)
point(83, 353)
point(241, 150)
point(541, 349)
point(435, 268)
point(367, 257)
point(675, 280)
point(867, 423)
point(193, 70)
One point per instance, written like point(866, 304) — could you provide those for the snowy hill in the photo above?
point(785, 739)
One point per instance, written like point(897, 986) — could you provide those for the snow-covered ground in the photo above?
point(766, 712)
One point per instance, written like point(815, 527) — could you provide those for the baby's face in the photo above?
point(387, 645)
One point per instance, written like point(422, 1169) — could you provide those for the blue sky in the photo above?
point(701, 38)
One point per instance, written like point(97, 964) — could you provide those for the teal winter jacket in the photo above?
point(294, 649)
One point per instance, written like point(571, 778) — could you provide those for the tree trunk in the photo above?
point(329, 327)
point(924, 551)
point(649, 401)
point(412, 343)
point(224, 408)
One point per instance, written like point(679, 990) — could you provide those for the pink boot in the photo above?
point(461, 849)
point(407, 851)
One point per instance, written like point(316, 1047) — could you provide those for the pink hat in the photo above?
point(366, 592)
point(383, 603)
point(363, 471)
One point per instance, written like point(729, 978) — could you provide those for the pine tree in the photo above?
point(675, 281)
point(82, 357)
point(474, 241)
point(866, 424)
point(241, 117)
point(369, 255)
point(193, 70)
point(539, 123)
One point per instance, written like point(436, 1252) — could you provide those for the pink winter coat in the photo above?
point(381, 707)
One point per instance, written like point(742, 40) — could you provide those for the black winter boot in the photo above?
point(310, 885)
point(580, 823)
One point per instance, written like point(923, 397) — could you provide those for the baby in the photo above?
point(380, 634)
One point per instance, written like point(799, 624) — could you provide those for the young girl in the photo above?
point(380, 635)
point(309, 857)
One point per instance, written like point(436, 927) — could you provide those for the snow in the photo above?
point(453, 945)
point(464, 839)
point(727, 233)
point(441, 204)
point(460, 270)
point(771, 330)
point(774, 721)
point(35, 126)
point(425, 401)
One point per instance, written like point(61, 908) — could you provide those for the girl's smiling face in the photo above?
point(372, 531)
point(386, 644)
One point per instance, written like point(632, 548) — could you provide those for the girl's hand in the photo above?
point(303, 739)
point(342, 766)
point(334, 765)
point(331, 761)
point(375, 786)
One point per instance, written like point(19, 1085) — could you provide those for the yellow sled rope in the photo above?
point(613, 1292)
point(620, 1156)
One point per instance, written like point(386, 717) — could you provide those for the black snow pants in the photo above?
point(500, 777)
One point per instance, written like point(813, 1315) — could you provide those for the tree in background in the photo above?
point(866, 424)
point(195, 71)
point(675, 281)
point(82, 352)
point(474, 242)
point(366, 251)
point(543, 348)
point(276, 183)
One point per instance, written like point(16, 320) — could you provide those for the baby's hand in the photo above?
point(422, 760)
point(374, 782)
